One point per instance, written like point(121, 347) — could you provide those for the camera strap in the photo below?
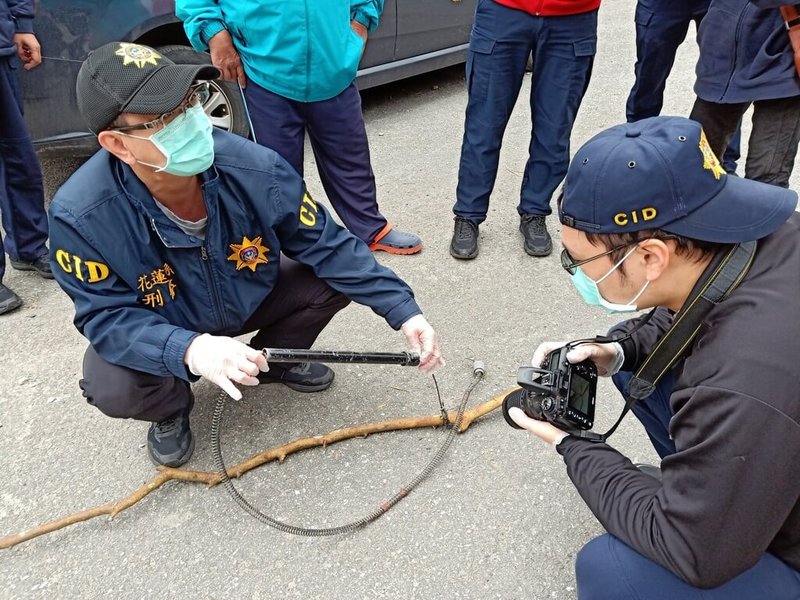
point(719, 284)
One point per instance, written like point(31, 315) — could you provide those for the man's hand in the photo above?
point(28, 50)
point(225, 57)
point(542, 429)
point(608, 358)
point(423, 339)
point(223, 361)
point(359, 29)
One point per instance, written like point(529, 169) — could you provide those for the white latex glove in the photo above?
point(608, 358)
point(223, 361)
point(423, 339)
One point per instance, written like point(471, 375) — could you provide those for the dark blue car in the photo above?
point(415, 36)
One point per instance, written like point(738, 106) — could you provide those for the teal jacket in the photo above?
point(304, 50)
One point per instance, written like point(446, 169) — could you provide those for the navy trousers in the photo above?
point(339, 141)
point(563, 50)
point(773, 141)
point(608, 569)
point(292, 316)
point(661, 26)
point(21, 189)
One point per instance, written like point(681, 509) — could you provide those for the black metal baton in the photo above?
point(281, 355)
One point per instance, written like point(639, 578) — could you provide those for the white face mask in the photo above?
point(590, 293)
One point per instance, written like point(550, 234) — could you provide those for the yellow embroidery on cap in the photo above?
point(136, 54)
point(250, 254)
point(710, 161)
point(635, 216)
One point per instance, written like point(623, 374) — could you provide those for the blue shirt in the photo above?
point(300, 49)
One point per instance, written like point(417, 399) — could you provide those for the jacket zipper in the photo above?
point(220, 314)
point(735, 54)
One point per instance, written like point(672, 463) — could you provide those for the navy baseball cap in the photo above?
point(660, 173)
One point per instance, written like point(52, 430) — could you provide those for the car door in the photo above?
point(425, 26)
point(380, 46)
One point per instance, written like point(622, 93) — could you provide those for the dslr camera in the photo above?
point(559, 392)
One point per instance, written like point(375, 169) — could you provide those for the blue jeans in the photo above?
point(661, 27)
point(339, 141)
point(563, 51)
point(606, 568)
point(21, 188)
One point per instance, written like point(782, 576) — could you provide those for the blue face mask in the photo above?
point(590, 293)
point(186, 142)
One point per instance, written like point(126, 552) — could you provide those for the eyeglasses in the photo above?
point(198, 94)
point(570, 265)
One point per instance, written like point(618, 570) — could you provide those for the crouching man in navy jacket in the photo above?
point(174, 237)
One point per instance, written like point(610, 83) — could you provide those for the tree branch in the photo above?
point(278, 453)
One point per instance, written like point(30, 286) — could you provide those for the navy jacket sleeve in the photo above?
point(309, 235)
point(106, 306)
point(769, 3)
point(22, 13)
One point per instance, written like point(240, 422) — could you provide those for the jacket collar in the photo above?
point(142, 200)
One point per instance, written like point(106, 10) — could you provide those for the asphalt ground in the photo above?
point(498, 519)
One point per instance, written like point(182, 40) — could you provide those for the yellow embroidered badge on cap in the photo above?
point(136, 54)
point(249, 254)
point(710, 160)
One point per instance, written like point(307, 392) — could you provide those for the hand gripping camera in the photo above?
point(559, 392)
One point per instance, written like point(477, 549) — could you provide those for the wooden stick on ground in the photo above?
point(278, 453)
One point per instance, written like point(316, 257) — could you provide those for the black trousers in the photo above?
point(773, 140)
point(292, 316)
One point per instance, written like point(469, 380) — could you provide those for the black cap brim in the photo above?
point(756, 208)
point(166, 88)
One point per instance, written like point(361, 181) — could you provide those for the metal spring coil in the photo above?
point(216, 420)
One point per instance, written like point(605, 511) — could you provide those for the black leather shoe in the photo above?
point(41, 265)
point(465, 239)
point(302, 377)
point(171, 442)
point(537, 238)
point(8, 300)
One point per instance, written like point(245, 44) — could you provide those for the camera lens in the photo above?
point(513, 399)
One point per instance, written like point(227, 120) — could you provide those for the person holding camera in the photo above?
point(176, 237)
point(650, 219)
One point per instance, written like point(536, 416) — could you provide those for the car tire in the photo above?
point(225, 107)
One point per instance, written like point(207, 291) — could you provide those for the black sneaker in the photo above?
point(303, 377)
point(537, 239)
point(465, 239)
point(8, 300)
point(41, 265)
point(171, 442)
